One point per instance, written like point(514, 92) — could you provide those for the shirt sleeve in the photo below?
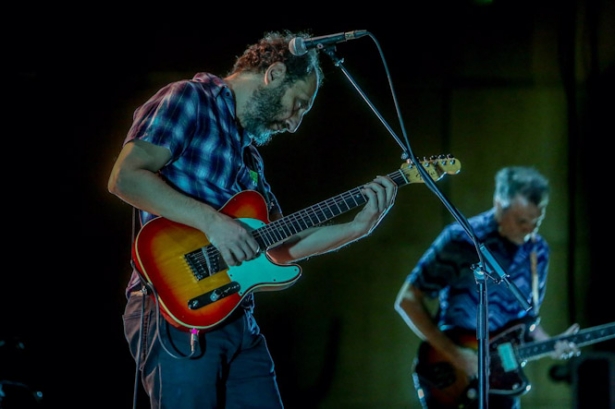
point(168, 119)
point(443, 262)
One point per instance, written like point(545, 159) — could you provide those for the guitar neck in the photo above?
point(588, 336)
point(279, 230)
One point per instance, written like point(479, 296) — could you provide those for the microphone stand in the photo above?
point(487, 264)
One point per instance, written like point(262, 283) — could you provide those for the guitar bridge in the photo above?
point(214, 295)
point(203, 262)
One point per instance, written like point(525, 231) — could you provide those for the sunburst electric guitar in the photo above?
point(194, 286)
point(508, 353)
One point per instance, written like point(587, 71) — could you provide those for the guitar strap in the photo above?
point(534, 266)
point(256, 174)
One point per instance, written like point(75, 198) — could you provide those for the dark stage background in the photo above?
point(493, 83)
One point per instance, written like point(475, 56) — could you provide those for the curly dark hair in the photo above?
point(274, 47)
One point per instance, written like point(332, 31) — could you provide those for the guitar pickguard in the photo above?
point(505, 372)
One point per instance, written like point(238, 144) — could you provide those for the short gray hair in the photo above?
point(521, 180)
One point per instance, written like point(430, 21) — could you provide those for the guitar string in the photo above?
point(322, 212)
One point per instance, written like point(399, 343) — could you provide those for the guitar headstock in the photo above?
point(436, 167)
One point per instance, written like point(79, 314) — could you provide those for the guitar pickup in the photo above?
point(507, 357)
point(214, 295)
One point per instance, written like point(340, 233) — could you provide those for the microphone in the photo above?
point(300, 46)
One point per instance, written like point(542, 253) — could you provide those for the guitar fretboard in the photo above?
point(279, 230)
point(588, 336)
point(319, 213)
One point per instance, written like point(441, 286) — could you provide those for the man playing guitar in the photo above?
point(447, 362)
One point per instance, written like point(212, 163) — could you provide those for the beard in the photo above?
point(261, 110)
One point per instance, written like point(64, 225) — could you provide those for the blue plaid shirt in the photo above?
point(446, 271)
point(195, 120)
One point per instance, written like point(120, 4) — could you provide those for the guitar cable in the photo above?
point(139, 345)
point(149, 289)
point(146, 290)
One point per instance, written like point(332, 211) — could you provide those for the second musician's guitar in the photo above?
point(508, 353)
point(197, 290)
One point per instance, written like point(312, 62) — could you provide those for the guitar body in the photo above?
point(452, 388)
point(191, 292)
